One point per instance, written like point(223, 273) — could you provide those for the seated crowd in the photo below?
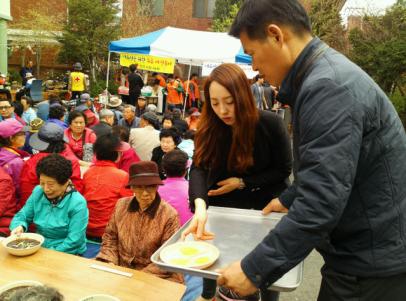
point(112, 188)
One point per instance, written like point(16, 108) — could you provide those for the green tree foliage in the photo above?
point(91, 25)
point(224, 14)
point(326, 23)
point(380, 47)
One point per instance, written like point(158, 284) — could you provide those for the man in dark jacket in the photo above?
point(106, 122)
point(348, 199)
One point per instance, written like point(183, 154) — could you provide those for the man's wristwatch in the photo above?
point(242, 184)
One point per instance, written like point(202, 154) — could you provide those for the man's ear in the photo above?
point(275, 33)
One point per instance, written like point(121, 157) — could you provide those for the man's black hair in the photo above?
point(105, 147)
point(174, 163)
point(55, 166)
point(167, 116)
point(28, 100)
point(18, 108)
point(54, 99)
point(133, 68)
point(56, 112)
point(255, 15)
point(122, 132)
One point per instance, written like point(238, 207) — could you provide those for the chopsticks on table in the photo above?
point(110, 270)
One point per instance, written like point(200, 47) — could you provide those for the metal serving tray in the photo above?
point(237, 232)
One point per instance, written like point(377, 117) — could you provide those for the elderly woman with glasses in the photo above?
point(140, 224)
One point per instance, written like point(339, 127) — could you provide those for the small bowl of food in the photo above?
point(24, 244)
point(7, 291)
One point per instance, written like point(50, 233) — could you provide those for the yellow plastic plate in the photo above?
point(190, 254)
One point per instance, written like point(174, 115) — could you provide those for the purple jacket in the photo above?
point(175, 193)
point(12, 163)
point(58, 122)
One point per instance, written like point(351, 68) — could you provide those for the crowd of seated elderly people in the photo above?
point(98, 190)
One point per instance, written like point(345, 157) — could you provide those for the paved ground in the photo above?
point(309, 288)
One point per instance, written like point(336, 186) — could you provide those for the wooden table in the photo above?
point(74, 278)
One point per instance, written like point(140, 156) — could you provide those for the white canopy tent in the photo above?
point(190, 47)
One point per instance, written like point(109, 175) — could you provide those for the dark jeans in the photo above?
point(336, 286)
point(125, 98)
point(133, 97)
point(172, 106)
point(209, 288)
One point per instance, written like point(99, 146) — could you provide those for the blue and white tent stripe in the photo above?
point(187, 46)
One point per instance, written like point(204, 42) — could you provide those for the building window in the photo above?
point(203, 8)
point(150, 8)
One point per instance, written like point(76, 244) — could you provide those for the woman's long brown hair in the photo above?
point(214, 138)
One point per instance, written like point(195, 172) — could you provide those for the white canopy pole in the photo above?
point(108, 72)
point(187, 89)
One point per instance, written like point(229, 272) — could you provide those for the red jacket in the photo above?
point(103, 185)
point(8, 201)
point(29, 175)
point(127, 158)
point(77, 145)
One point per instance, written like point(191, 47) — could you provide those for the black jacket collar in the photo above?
point(292, 82)
point(151, 210)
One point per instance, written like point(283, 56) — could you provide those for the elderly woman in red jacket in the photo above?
point(8, 202)
point(81, 138)
point(103, 185)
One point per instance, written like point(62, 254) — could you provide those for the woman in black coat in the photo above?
point(242, 157)
point(135, 85)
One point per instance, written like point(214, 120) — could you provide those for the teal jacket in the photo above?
point(63, 225)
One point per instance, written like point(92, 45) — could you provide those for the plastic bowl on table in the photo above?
point(17, 284)
point(25, 251)
point(99, 297)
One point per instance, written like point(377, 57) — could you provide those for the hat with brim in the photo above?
point(36, 124)
point(11, 127)
point(144, 173)
point(114, 102)
point(49, 133)
point(150, 117)
point(85, 97)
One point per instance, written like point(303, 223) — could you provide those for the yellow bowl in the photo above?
point(27, 251)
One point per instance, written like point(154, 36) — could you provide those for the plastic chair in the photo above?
point(36, 90)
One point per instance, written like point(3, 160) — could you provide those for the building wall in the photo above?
point(177, 13)
point(49, 56)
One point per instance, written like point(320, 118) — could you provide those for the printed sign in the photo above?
point(208, 68)
point(148, 62)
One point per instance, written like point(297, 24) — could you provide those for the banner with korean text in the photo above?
point(148, 62)
point(208, 68)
